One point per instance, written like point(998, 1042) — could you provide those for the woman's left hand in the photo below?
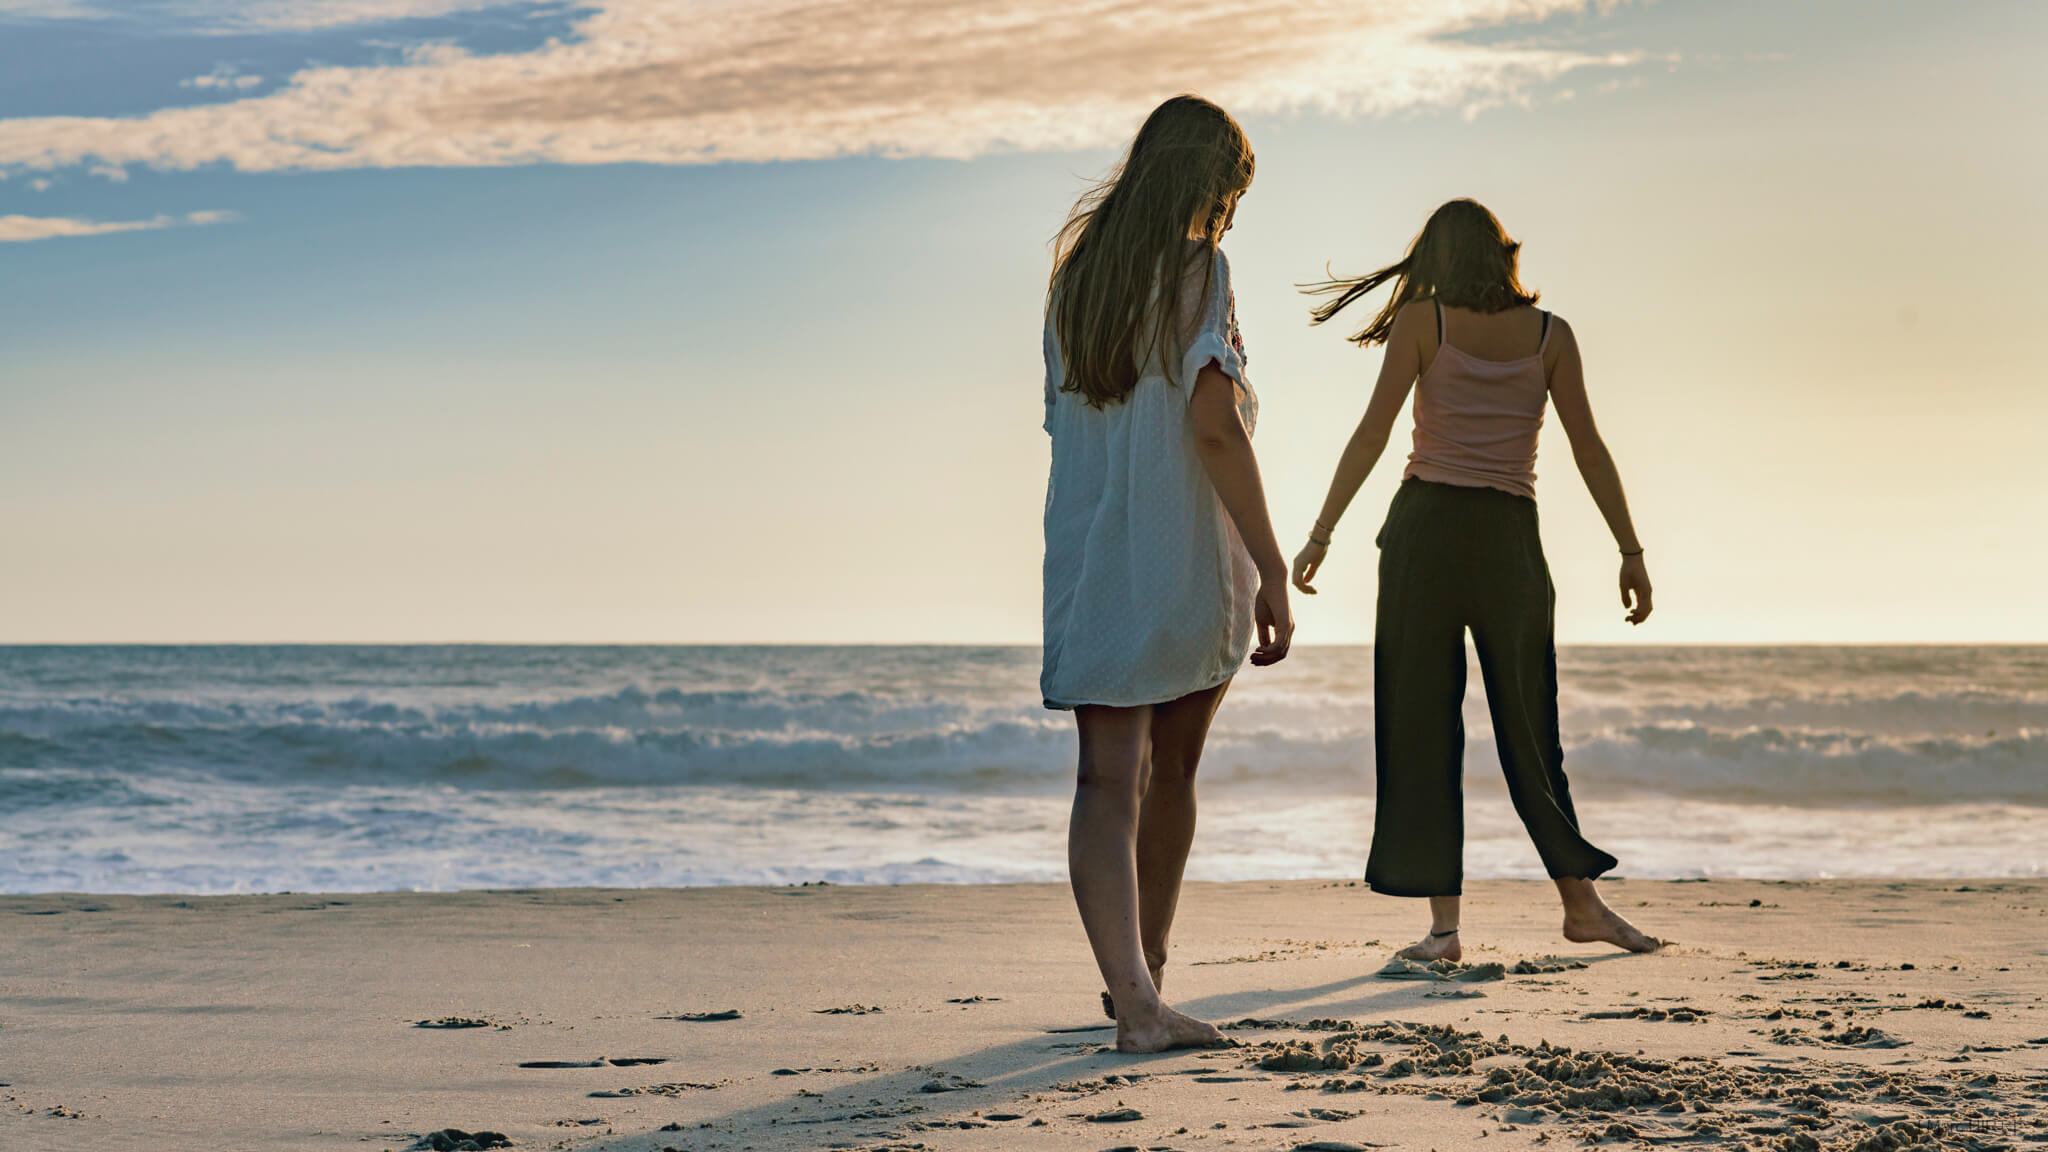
point(1635, 588)
point(1306, 562)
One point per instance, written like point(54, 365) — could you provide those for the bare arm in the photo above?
point(1225, 450)
point(1596, 465)
point(1398, 370)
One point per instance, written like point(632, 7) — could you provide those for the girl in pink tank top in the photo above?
point(1460, 552)
point(1476, 420)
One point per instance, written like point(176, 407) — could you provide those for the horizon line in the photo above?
point(8, 644)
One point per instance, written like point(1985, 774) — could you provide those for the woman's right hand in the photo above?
point(1635, 588)
point(1306, 562)
point(1275, 621)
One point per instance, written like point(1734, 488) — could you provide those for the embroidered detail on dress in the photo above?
point(1236, 337)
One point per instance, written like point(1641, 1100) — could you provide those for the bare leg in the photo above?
point(1442, 941)
point(1166, 820)
point(1102, 862)
point(1587, 918)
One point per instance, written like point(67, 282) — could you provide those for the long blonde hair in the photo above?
point(1129, 234)
point(1462, 258)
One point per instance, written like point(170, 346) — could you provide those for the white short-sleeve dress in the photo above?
point(1148, 589)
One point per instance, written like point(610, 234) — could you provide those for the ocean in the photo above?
point(343, 768)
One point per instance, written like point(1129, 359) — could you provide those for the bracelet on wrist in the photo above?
point(1637, 552)
point(1323, 543)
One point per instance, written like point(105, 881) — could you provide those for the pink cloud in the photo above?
point(652, 81)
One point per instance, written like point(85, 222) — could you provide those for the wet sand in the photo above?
point(1831, 1015)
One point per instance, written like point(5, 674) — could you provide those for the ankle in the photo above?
point(1143, 1013)
point(1578, 894)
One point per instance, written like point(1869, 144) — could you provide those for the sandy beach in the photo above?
point(1796, 1015)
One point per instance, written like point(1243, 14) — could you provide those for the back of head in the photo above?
point(1462, 258)
point(1138, 230)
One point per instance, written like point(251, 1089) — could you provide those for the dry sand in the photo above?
point(1798, 1015)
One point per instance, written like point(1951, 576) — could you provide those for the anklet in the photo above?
point(1452, 932)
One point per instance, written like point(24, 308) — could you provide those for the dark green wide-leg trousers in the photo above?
point(1453, 558)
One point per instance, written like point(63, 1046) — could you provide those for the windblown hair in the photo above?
point(1121, 263)
point(1462, 257)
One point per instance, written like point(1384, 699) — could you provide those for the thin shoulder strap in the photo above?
point(1545, 341)
point(1439, 320)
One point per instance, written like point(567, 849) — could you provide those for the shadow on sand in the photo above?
point(877, 1109)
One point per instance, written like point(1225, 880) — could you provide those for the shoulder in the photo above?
point(1207, 264)
point(1205, 292)
point(1560, 348)
point(1561, 335)
point(1219, 281)
point(1415, 321)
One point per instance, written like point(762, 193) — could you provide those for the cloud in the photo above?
point(243, 15)
point(21, 229)
point(49, 9)
point(654, 81)
point(247, 15)
point(223, 79)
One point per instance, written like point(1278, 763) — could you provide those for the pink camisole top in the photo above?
point(1476, 420)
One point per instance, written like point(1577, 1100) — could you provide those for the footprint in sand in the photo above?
point(1683, 1014)
point(600, 1062)
point(1544, 966)
point(456, 1140)
point(1441, 970)
point(1854, 1036)
point(670, 1090)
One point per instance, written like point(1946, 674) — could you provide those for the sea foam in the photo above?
point(210, 769)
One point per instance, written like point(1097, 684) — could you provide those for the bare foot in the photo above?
point(1433, 948)
point(1158, 985)
point(1163, 1029)
point(1605, 925)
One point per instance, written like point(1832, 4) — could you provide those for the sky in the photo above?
point(430, 320)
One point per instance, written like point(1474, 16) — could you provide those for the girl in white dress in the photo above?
point(1159, 556)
